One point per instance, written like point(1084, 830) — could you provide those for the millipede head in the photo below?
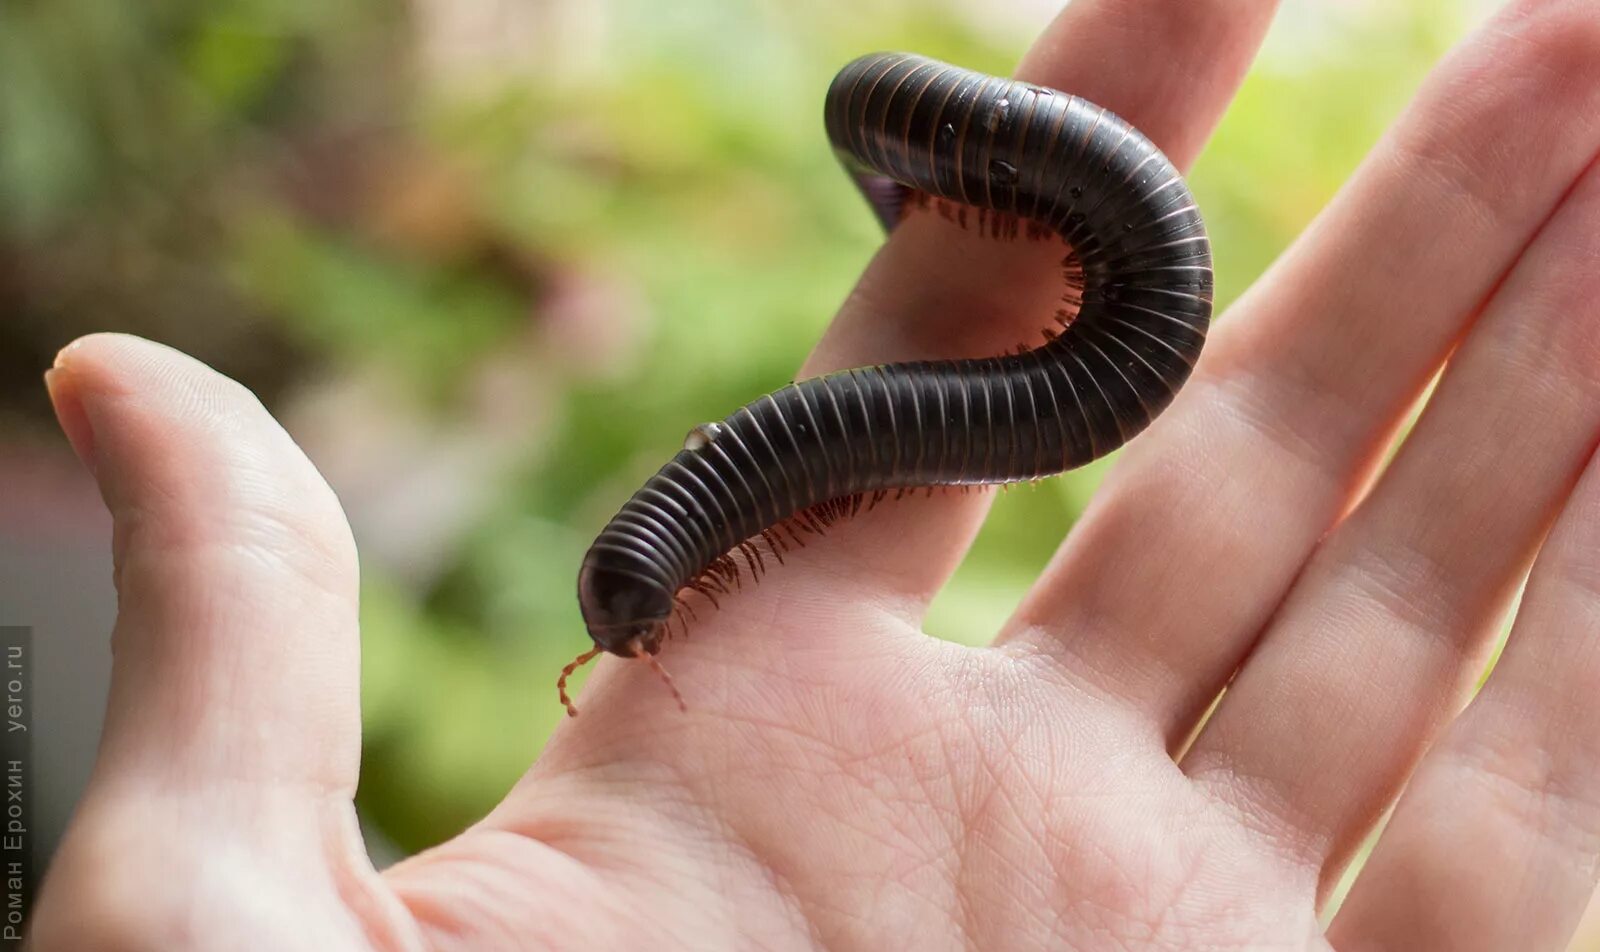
point(643, 648)
point(621, 611)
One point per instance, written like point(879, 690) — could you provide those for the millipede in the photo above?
point(1024, 160)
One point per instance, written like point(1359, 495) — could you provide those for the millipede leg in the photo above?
point(788, 527)
point(700, 586)
point(758, 567)
point(775, 543)
point(686, 608)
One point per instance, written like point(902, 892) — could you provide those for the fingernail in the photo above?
point(69, 413)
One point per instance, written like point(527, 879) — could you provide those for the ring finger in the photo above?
point(1516, 778)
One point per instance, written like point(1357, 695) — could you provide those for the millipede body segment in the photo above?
point(912, 130)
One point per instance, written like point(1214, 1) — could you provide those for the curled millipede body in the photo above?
point(911, 130)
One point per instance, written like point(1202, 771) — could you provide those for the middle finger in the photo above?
point(1164, 585)
point(1385, 628)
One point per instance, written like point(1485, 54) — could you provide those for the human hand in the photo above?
point(842, 780)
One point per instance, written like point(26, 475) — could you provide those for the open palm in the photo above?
point(843, 781)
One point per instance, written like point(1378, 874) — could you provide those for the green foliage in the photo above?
point(686, 166)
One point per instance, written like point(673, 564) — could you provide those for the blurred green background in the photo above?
point(489, 259)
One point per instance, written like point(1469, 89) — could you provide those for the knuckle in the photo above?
point(1528, 786)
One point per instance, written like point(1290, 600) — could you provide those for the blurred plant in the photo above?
point(490, 261)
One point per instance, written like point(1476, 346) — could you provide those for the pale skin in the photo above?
point(843, 781)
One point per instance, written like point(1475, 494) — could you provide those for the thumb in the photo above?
point(218, 814)
point(235, 653)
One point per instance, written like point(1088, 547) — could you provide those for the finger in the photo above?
point(1169, 578)
point(235, 648)
point(1516, 778)
point(229, 754)
point(1387, 626)
point(935, 291)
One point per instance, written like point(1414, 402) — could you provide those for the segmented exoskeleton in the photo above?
point(910, 129)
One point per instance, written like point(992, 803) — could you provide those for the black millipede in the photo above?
point(912, 131)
